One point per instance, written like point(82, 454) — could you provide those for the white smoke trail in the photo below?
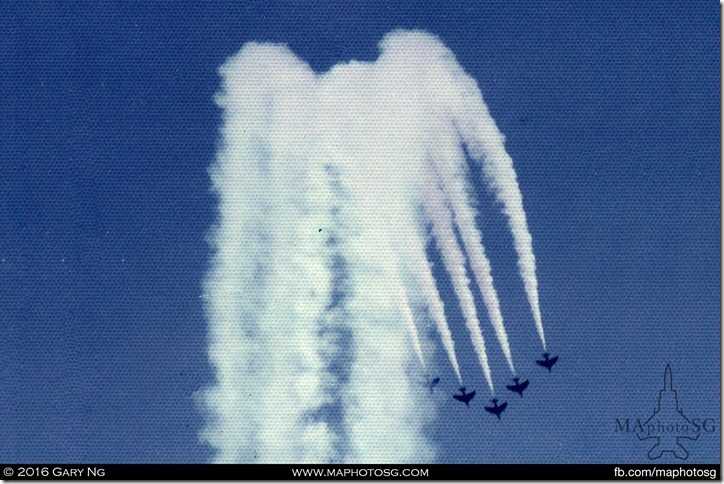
point(422, 272)
point(457, 99)
point(404, 304)
point(450, 161)
point(437, 312)
point(503, 180)
point(487, 145)
point(442, 228)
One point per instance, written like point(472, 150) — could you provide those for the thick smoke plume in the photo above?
point(329, 186)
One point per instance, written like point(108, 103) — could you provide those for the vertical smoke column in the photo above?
point(366, 140)
point(270, 281)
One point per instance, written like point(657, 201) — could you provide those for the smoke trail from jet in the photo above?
point(442, 228)
point(450, 161)
point(404, 305)
point(502, 178)
point(422, 271)
point(486, 144)
point(326, 184)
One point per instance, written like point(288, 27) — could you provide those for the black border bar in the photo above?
point(419, 472)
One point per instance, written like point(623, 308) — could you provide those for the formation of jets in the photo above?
point(517, 387)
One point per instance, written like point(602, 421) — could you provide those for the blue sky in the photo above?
point(107, 130)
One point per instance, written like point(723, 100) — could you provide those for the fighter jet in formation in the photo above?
point(547, 362)
point(464, 397)
point(519, 386)
point(496, 409)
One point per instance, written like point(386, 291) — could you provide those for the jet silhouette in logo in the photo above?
point(666, 423)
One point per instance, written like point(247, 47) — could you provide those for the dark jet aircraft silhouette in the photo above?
point(464, 397)
point(518, 387)
point(547, 363)
point(496, 409)
point(433, 383)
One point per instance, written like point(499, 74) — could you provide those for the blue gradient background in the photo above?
point(107, 127)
